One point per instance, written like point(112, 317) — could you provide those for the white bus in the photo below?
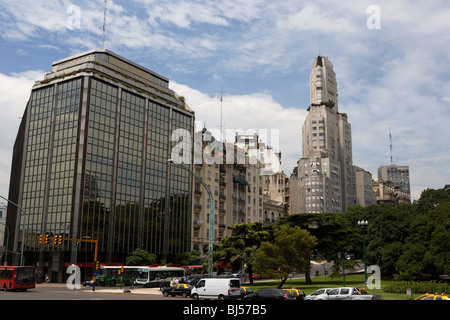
point(153, 276)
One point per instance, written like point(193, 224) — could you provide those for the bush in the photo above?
point(417, 286)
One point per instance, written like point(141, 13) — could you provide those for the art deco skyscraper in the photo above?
point(324, 180)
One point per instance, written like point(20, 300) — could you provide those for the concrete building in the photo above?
point(90, 161)
point(363, 185)
point(396, 176)
point(242, 191)
point(325, 174)
point(384, 192)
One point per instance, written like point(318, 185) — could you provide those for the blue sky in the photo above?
point(391, 78)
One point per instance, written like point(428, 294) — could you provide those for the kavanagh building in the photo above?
point(324, 181)
point(90, 162)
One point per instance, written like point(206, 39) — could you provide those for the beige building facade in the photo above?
point(363, 186)
point(325, 176)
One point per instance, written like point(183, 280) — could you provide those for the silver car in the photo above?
point(316, 293)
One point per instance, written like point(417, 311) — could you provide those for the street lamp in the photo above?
point(23, 232)
point(363, 225)
point(343, 260)
point(211, 215)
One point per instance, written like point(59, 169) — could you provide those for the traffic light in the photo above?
point(46, 239)
point(97, 265)
point(60, 239)
point(55, 240)
point(41, 239)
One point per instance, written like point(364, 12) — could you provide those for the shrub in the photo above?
point(417, 286)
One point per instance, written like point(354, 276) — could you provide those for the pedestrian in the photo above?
point(171, 282)
point(175, 281)
point(46, 277)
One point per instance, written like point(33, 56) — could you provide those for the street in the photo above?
point(59, 291)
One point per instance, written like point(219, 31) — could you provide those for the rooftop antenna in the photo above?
point(319, 43)
point(390, 138)
point(221, 114)
point(104, 24)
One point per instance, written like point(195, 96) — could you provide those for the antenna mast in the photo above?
point(390, 138)
point(104, 25)
point(221, 116)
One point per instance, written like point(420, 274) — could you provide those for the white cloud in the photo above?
point(313, 18)
point(14, 94)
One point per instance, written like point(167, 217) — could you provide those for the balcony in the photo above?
point(198, 223)
point(198, 193)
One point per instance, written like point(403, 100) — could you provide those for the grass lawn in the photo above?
point(351, 280)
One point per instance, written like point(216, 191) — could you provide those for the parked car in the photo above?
point(346, 293)
point(430, 296)
point(226, 275)
point(312, 296)
point(298, 294)
point(238, 274)
point(270, 294)
point(245, 291)
point(193, 280)
point(181, 289)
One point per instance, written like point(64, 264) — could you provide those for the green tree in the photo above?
point(334, 233)
point(140, 257)
point(239, 247)
point(290, 252)
point(188, 258)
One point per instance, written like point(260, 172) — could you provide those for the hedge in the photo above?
point(417, 287)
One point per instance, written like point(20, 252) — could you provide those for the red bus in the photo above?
point(17, 278)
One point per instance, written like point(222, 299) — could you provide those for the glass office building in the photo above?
point(90, 162)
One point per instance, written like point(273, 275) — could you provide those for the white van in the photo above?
point(217, 288)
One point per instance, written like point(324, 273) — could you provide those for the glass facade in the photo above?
point(50, 161)
point(130, 196)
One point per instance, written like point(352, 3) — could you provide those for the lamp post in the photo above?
point(211, 215)
point(363, 225)
point(343, 260)
point(23, 232)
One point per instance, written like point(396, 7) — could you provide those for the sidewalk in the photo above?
point(124, 289)
point(100, 289)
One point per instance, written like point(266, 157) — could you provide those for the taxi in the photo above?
point(298, 294)
point(435, 296)
point(181, 289)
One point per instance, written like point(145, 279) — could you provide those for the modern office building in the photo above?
point(396, 176)
point(324, 181)
point(90, 162)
